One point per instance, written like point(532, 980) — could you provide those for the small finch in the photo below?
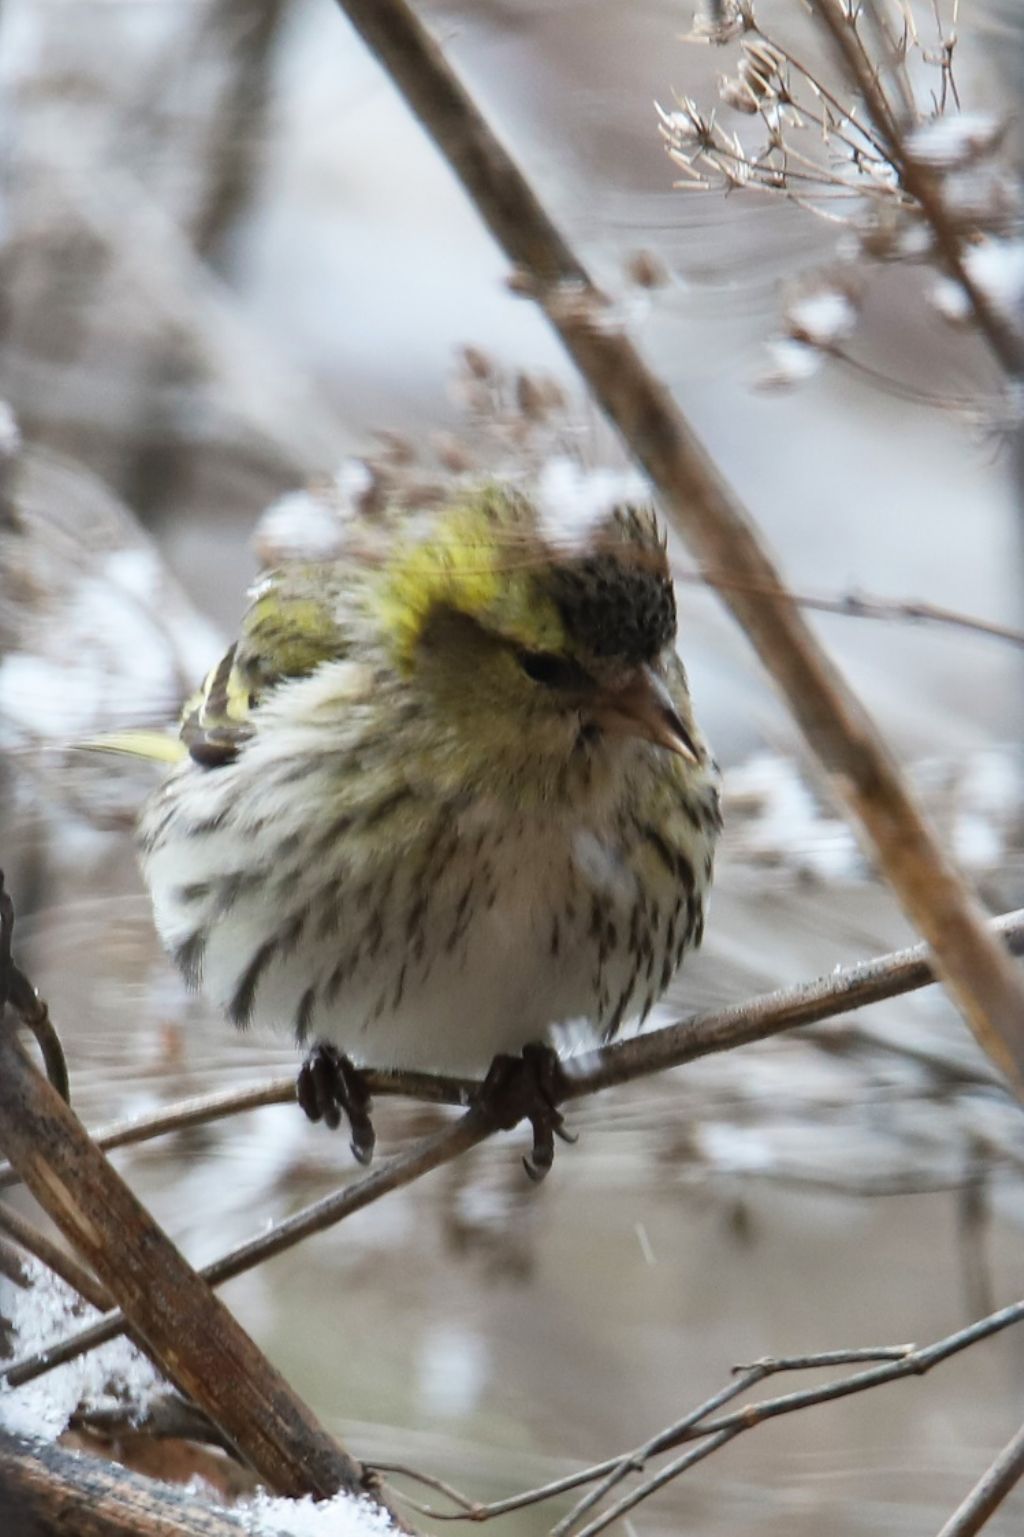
point(442, 796)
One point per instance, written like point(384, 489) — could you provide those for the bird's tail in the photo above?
point(154, 746)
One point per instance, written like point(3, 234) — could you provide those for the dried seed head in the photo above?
point(721, 21)
point(646, 270)
point(477, 363)
point(530, 397)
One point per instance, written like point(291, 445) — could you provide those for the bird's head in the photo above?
point(531, 650)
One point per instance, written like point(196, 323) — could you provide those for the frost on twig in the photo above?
point(885, 153)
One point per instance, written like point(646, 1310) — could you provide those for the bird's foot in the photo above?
point(528, 1088)
point(328, 1087)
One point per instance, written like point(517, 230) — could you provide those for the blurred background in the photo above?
point(234, 271)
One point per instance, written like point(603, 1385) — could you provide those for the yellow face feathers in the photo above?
point(476, 564)
point(606, 606)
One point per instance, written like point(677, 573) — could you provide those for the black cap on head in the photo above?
point(618, 603)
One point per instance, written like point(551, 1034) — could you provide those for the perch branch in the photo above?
point(738, 1025)
point(756, 1019)
point(988, 987)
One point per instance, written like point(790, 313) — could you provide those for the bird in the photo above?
point(444, 795)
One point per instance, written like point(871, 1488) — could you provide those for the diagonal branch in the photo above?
point(987, 986)
point(989, 1492)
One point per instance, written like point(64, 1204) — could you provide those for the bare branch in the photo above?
point(431, 1153)
point(986, 984)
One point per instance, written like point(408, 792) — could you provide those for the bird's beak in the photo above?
point(644, 707)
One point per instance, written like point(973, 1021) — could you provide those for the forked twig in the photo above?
point(711, 1430)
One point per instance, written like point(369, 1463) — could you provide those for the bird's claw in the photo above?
point(528, 1088)
point(328, 1087)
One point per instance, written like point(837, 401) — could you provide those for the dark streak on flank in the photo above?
point(304, 1015)
point(239, 1010)
point(188, 957)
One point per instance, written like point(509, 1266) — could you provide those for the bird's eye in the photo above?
point(552, 671)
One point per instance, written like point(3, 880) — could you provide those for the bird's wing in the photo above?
point(291, 626)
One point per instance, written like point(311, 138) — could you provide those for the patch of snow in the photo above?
point(997, 267)
point(956, 140)
point(773, 819)
point(573, 502)
point(135, 570)
point(789, 362)
point(343, 1516)
point(10, 432)
point(822, 319)
point(46, 697)
point(735, 1149)
point(301, 525)
point(42, 1313)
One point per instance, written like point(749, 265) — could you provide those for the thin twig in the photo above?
point(889, 1363)
point(55, 1258)
point(986, 984)
point(634, 1461)
point(856, 605)
point(989, 1492)
point(621, 1062)
point(651, 1485)
point(430, 1153)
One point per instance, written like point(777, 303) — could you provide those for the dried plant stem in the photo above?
point(184, 1328)
point(741, 1024)
point(989, 1492)
point(51, 1492)
point(921, 183)
point(987, 985)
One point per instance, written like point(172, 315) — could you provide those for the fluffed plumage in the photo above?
point(443, 796)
